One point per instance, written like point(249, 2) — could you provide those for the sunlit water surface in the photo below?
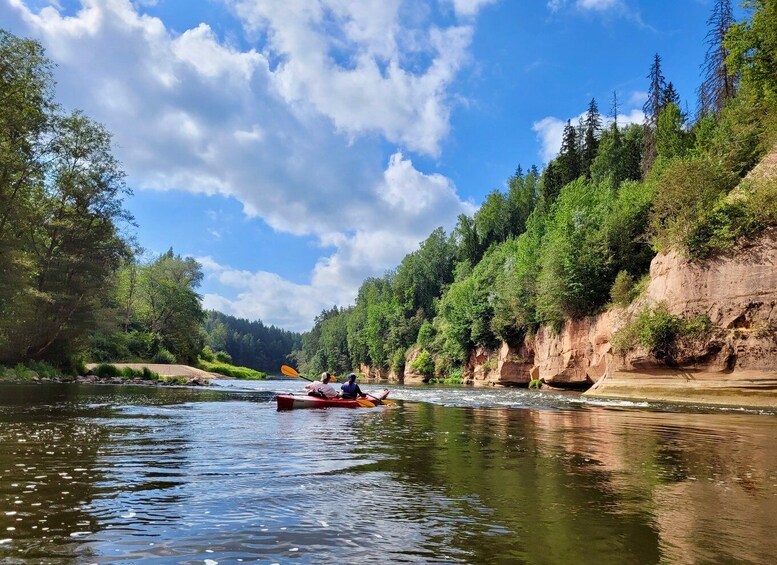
point(100, 474)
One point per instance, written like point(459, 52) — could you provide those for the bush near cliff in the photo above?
point(658, 331)
point(423, 364)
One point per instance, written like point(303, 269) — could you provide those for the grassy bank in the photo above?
point(232, 371)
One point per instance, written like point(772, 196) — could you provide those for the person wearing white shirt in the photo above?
point(322, 388)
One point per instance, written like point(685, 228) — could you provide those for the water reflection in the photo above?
point(121, 475)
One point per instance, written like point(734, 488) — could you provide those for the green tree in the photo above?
point(169, 306)
point(575, 268)
point(551, 183)
point(593, 126)
point(652, 109)
point(492, 220)
point(467, 241)
point(672, 140)
point(521, 198)
point(61, 192)
point(569, 157)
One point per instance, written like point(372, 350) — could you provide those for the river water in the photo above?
point(101, 474)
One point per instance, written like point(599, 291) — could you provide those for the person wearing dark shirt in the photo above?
point(350, 389)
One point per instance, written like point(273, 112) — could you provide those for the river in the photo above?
point(101, 474)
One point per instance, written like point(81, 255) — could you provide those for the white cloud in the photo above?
point(362, 66)
point(469, 7)
point(550, 130)
point(294, 128)
point(590, 5)
point(410, 205)
point(638, 98)
point(599, 5)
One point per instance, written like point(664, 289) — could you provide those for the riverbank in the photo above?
point(143, 374)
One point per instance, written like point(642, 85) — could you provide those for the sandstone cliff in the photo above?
point(734, 363)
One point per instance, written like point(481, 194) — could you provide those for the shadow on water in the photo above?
point(142, 475)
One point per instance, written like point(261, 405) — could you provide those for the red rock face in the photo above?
point(578, 355)
point(411, 377)
point(737, 290)
point(507, 366)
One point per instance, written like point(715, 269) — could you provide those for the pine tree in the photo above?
point(593, 125)
point(718, 83)
point(614, 109)
point(580, 136)
point(670, 96)
point(652, 109)
point(569, 157)
point(551, 183)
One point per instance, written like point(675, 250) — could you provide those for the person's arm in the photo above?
point(359, 392)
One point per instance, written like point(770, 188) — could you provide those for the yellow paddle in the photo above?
point(292, 372)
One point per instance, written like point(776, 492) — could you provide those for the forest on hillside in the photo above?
point(249, 343)
point(74, 285)
point(568, 241)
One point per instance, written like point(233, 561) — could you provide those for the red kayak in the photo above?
point(290, 401)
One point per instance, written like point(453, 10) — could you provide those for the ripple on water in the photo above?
point(122, 479)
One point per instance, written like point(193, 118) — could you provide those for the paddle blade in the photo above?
point(389, 403)
point(365, 403)
point(289, 371)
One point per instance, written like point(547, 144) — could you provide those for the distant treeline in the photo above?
point(571, 239)
point(250, 344)
point(74, 286)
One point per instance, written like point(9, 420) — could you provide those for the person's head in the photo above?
point(325, 377)
point(351, 377)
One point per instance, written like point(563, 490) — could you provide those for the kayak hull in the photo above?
point(294, 402)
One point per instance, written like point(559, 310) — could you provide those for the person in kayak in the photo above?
point(322, 388)
point(350, 389)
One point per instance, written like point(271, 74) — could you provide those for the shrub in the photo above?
point(22, 372)
point(107, 371)
point(658, 330)
point(456, 376)
point(43, 369)
point(207, 354)
point(164, 357)
point(683, 208)
point(442, 365)
point(232, 371)
point(398, 361)
point(423, 364)
point(622, 289)
point(425, 334)
point(625, 289)
point(223, 357)
point(74, 367)
point(535, 383)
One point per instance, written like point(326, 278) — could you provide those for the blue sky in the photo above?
point(296, 147)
